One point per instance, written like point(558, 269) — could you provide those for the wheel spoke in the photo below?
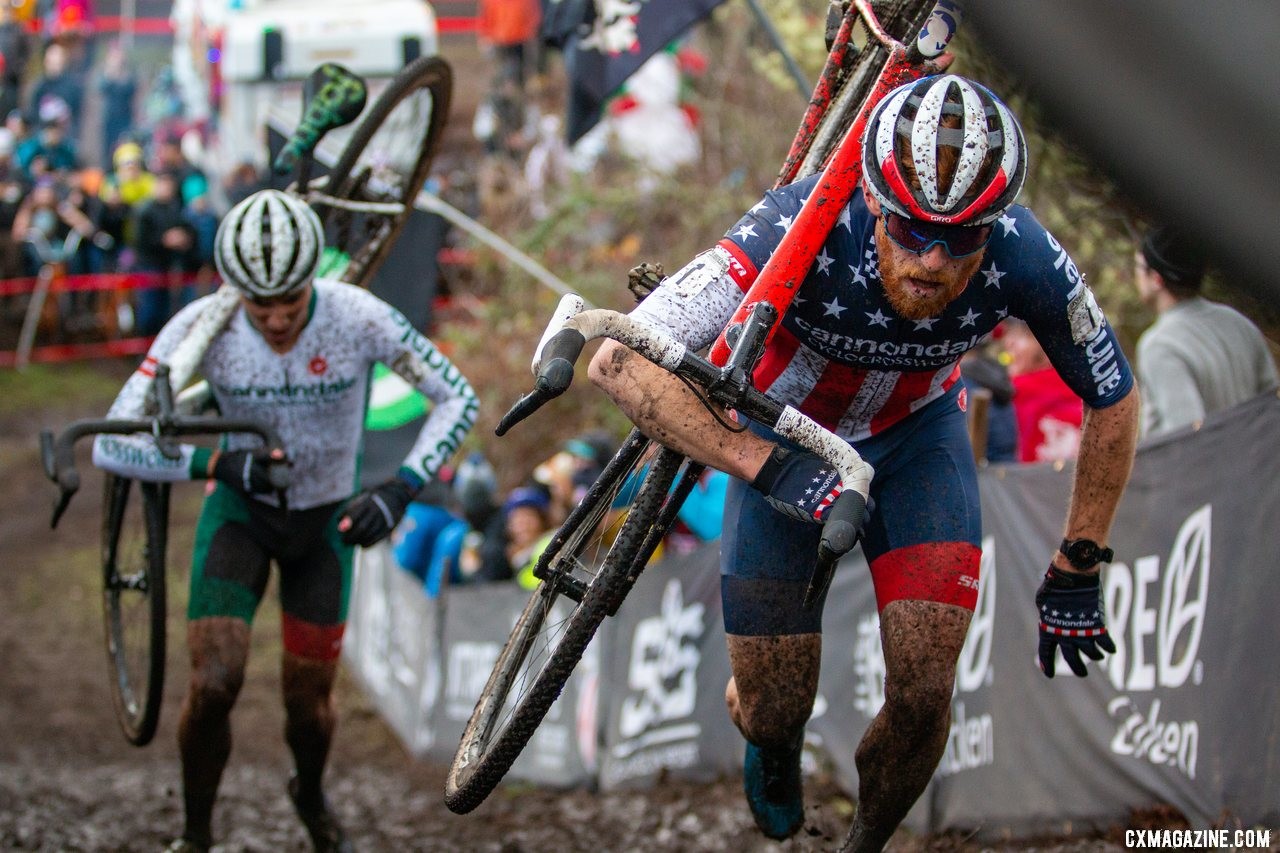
point(542, 653)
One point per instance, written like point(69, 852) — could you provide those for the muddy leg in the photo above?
point(775, 680)
point(219, 647)
point(903, 744)
point(309, 720)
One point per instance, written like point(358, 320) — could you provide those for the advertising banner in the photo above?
point(392, 645)
point(477, 623)
point(667, 672)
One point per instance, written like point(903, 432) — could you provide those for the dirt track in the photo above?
point(70, 782)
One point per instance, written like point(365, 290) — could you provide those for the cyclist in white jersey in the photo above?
point(296, 355)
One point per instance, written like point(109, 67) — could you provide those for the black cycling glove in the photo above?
point(375, 512)
point(801, 484)
point(1071, 619)
point(246, 471)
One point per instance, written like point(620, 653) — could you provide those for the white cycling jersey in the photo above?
point(313, 396)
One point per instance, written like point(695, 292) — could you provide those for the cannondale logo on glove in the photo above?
point(824, 488)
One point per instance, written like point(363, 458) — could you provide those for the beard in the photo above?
point(898, 268)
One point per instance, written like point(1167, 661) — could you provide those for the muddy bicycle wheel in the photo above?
point(588, 569)
point(901, 19)
point(386, 162)
point(134, 530)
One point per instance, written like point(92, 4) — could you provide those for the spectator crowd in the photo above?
point(115, 194)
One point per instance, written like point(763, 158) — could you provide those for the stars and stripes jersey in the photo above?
point(314, 395)
point(845, 357)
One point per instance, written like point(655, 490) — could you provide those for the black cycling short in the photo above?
point(236, 540)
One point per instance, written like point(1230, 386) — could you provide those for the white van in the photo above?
point(241, 63)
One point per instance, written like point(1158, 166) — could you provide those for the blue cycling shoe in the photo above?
point(771, 779)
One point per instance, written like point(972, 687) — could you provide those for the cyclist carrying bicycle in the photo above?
point(296, 355)
point(920, 267)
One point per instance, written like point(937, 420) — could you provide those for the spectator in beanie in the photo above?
point(1199, 356)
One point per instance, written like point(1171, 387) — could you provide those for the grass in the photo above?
point(41, 387)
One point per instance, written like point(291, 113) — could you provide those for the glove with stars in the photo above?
point(1071, 619)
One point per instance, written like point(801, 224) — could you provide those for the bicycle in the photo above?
point(373, 185)
point(134, 537)
point(52, 310)
point(546, 642)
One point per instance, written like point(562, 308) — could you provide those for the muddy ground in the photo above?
point(69, 781)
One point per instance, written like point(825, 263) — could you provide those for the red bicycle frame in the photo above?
point(781, 277)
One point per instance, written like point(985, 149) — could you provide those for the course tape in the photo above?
point(99, 281)
point(56, 353)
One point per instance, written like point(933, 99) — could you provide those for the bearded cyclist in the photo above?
point(921, 266)
point(296, 355)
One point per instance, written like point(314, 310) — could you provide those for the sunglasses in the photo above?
point(918, 237)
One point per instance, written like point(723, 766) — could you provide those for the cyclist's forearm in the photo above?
point(668, 412)
point(138, 457)
point(1107, 445)
point(442, 434)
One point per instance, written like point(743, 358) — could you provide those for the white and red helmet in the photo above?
point(908, 122)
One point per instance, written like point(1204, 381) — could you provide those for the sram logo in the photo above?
point(664, 665)
point(1157, 617)
point(973, 669)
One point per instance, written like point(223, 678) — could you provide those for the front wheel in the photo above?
point(578, 590)
point(134, 530)
point(385, 163)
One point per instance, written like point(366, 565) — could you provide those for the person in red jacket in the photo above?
point(507, 26)
point(1048, 412)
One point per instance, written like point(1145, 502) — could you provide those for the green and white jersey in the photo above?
point(314, 396)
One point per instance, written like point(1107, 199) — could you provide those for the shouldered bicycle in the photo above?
point(590, 564)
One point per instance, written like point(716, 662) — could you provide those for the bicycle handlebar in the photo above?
point(58, 454)
point(730, 386)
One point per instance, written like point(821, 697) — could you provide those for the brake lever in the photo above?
point(525, 406)
point(278, 472)
point(555, 374)
point(840, 532)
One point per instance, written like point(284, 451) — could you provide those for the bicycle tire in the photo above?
point(901, 19)
point(380, 164)
point(492, 741)
point(134, 534)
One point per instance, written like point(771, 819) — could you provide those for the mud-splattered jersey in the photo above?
point(314, 395)
point(845, 357)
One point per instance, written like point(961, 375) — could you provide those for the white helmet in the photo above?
point(987, 147)
point(269, 244)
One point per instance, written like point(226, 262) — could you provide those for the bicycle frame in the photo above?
point(781, 277)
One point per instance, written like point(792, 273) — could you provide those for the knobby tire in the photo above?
point(902, 19)
point(492, 742)
point(134, 532)
point(366, 238)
